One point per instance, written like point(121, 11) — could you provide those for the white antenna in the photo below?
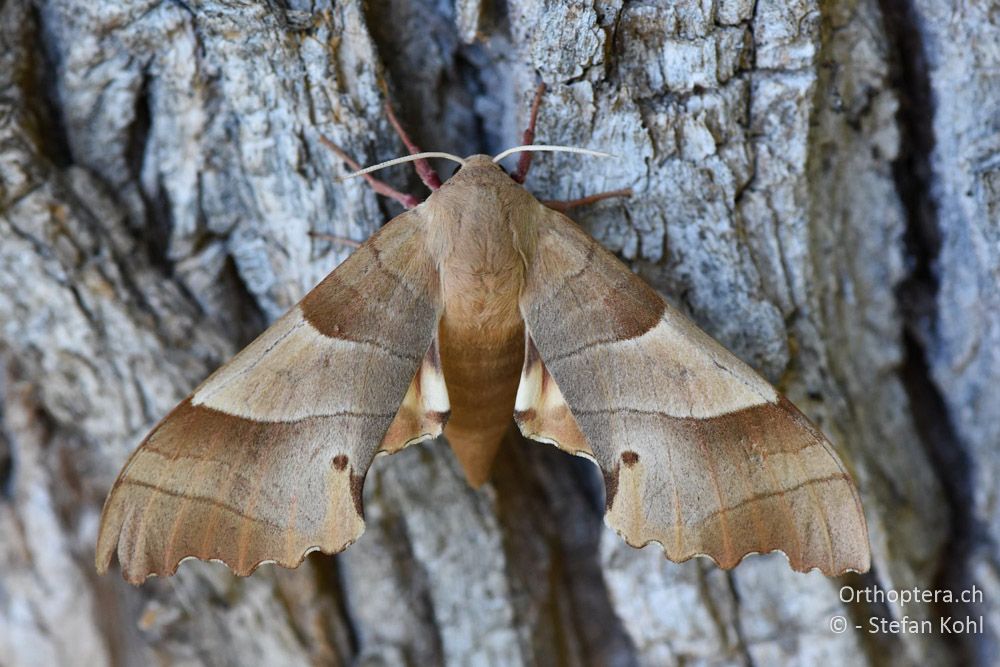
point(551, 149)
point(401, 160)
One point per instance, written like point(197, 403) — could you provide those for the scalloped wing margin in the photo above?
point(266, 460)
point(699, 453)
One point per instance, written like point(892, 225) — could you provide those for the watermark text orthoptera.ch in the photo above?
point(905, 596)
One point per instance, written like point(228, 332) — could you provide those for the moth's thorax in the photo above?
point(482, 233)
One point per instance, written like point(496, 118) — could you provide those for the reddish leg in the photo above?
point(524, 162)
point(424, 169)
point(381, 187)
point(333, 238)
point(563, 206)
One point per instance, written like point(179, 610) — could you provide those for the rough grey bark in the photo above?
point(816, 183)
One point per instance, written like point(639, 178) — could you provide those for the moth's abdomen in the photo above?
point(482, 383)
point(481, 339)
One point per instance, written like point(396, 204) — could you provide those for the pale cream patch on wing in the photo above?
point(289, 373)
point(424, 410)
point(541, 412)
point(628, 511)
point(676, 370)
point(343, 522)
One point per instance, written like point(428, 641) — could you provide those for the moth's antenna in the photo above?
point(551, 149)
point(401, 160)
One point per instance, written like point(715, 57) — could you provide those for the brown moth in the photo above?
point(477, 305)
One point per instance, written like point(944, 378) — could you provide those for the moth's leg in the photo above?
point(424, 169)
point(380, 187)
point(524, 162)
point(333, 238)
point(564, 205)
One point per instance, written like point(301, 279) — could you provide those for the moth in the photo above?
point(476, 306)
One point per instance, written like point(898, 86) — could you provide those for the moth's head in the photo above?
point(480, 170)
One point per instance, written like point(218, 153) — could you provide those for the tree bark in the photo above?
point(817, 184)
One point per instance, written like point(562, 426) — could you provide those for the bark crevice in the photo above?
point(917, 296)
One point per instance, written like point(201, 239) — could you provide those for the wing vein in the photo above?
point(199, 498)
